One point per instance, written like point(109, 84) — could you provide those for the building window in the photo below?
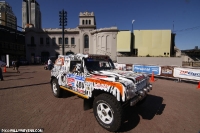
point(53, 40)
point(32, 40)
point(167, 53)
point(89, 22)
point(164, 53)
point(72, 41)
point(86, 22)
point(47, 40)
point(82, 22)
point(66, 40)
point(86, 41)
point(41, 41)
point(60, 40)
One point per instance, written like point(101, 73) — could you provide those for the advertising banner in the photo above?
point(129, 67)
point(187, 73)
point(147, 69)
point(167, 71)
point(121, 67)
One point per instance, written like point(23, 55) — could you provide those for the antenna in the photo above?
point(173, 27)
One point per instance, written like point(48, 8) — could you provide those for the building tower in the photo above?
point(31, 14)
point(87, 24)
point(87, 20)
point(7, 17)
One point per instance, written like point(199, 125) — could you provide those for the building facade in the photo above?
point(12, 43)
point(85, 38)
point(146, 43)
point(7, 17)
point(31, 13)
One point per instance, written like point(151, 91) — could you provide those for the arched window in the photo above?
point(86, 22)
point(32, 40)
point(89, 22)
point(82, 22)
point(86, 41)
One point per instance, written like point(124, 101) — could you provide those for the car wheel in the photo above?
point(56, 88)
point(108, 112)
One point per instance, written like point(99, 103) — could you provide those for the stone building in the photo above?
point(7, 17)
point(85, 38)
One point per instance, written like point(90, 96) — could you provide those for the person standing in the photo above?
point(49, 64)
point(2, 64)
point(13, 63)
point(17, 66)
point(1, 74)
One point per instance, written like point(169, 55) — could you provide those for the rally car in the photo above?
point(95, 79)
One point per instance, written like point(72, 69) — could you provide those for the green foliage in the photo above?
point(148, 55)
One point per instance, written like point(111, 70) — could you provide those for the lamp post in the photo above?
point(63, 23)
point(132, 40)
point(132, 25)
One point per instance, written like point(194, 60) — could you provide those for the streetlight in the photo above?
point(63, 23)
point(132, 25)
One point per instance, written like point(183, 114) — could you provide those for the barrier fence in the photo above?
point(176, 72)
point(193, 64)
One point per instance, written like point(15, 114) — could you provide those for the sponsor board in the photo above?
point(187, 73)
point(121, 67)
point(146, 69)
point(167, 71)
point(129, 67)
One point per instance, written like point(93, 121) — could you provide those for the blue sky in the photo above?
point(148, 15)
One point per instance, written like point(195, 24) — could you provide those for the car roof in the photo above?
point(83, 55)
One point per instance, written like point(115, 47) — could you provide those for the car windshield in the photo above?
point(94, 64)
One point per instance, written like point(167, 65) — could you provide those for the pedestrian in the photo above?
point(49, 64)
point(1, 74)
point(17, 66)
point(2, 64)
point(13, 64)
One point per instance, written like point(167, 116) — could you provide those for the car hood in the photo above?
point(112, 75)
point(131, 81)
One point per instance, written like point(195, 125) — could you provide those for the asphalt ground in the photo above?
point(27, 102)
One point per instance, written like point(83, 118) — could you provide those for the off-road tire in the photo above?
point(54, 86)
point(115, 111)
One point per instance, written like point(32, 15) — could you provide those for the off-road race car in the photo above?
point(106, 89)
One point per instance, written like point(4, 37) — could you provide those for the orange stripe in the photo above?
point(115, 84)
point(82, 95)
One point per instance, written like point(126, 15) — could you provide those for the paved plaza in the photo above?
point(26, 101)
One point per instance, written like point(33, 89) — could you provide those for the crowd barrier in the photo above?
point(177, 72)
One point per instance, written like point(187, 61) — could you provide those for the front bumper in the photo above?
point(141, 95)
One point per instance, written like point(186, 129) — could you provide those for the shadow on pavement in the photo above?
point(23, 86)
point(67, 94)
point(20, 78)
point(10, 75)
point(151, 107)
point(30, 72)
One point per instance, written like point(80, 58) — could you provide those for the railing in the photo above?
point(193, 64)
